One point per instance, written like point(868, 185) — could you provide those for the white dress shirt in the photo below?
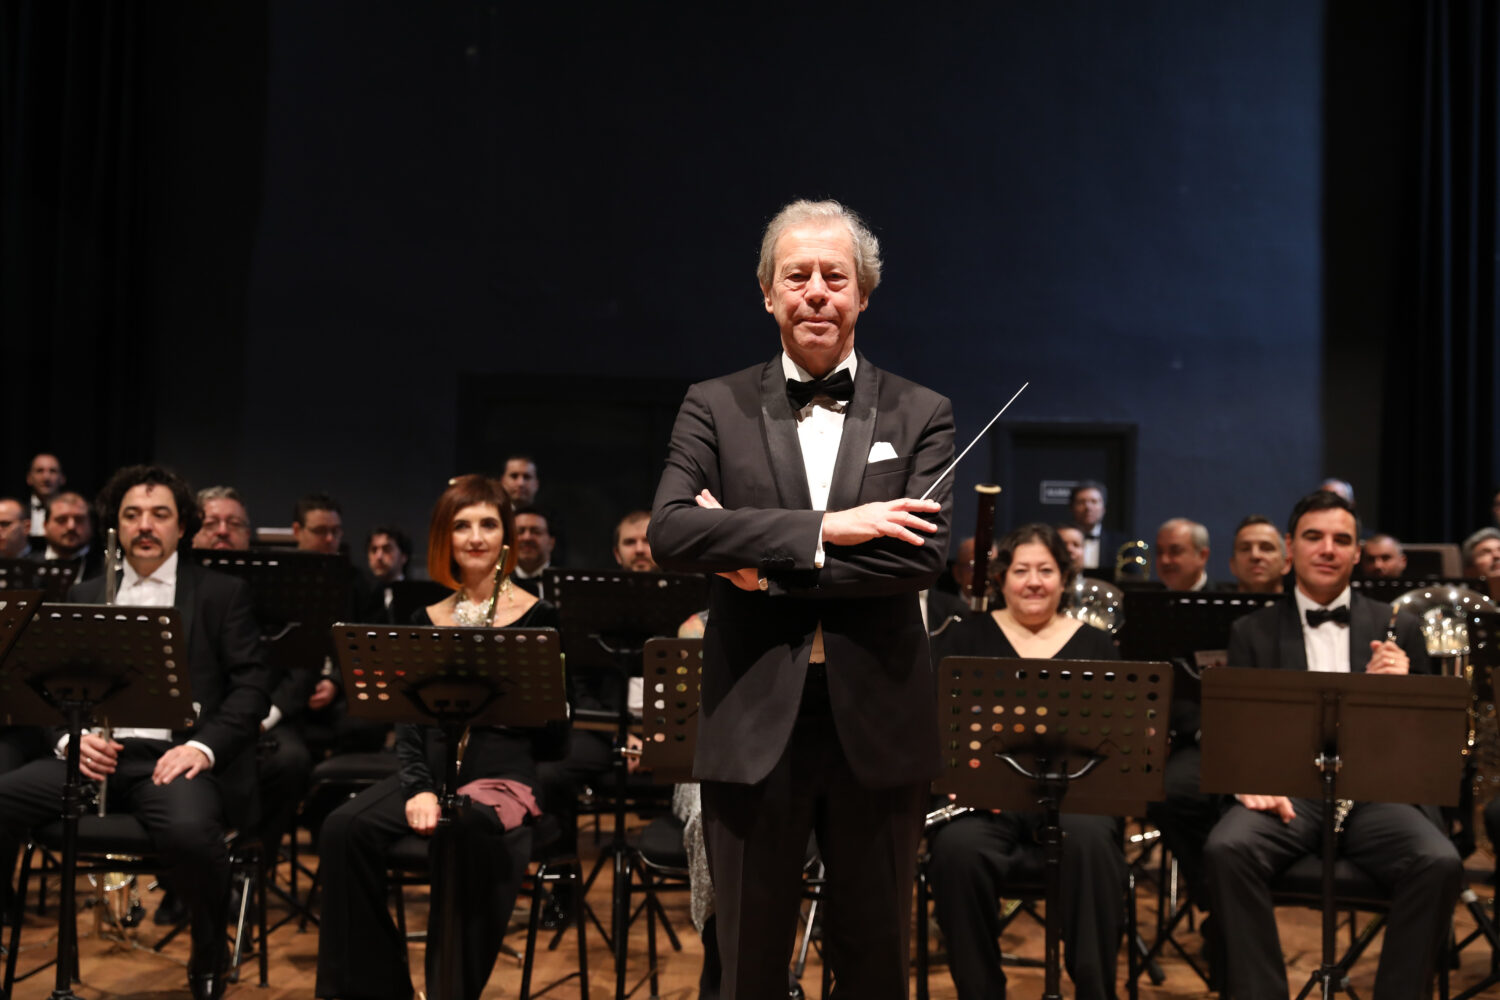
point(820, 428)
point(1091, 543)
point(158, 590)
point(38, 515)
point(1327, 646)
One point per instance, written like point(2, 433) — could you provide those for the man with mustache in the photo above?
point(226, 521)
point(632, 549)
point(1327, 627)
point(796, 482)
point(69, 534)
point(186, 788)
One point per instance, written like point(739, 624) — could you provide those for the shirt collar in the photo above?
point(797, 373)
point(1306, 604)
point(166, 573)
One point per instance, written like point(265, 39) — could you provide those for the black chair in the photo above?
point(334, 781)
point(118, 843)
point(409, 865)
point(1354, 892)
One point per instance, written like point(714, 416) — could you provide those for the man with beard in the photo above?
point(1382, 558)
point(186, 788)
point(226, 521)
point(69, 534)
point(632, 550)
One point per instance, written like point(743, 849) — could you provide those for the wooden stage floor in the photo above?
point(111, 970)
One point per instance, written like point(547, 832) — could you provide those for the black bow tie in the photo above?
point(1317, 616)
point(839, 385)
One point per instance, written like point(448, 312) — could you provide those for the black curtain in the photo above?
point(130, 163)
point(1442, 367)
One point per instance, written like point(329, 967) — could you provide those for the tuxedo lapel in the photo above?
point(1366, 624)
point(779, 425)
point(185, 600)
point(855, 439)
point(1290, 647)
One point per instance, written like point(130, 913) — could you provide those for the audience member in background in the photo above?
point(1182, 554)
point(632, 550)
point(69, 532)
point(1382, 558)
point(1087, 502)
point(1258, 561)
point(45, 478)
point(15, 530)
point(520, 480)
point(226, 522)
point(533, 543)
point(1481, 552)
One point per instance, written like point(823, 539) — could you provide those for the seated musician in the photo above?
point(69, 534)
point(360, 954)
point(1258, 561)
point(1182, 555)
point(975, 857)
point(1327, 627)
point(186, 788)
point(1481, 553)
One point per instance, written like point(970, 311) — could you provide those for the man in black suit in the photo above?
point(1182, 555)
point(793, 482)
point(1086, 502)
point(188, 787)
point(15, 540)
point(69, 536)
point(1327, 627)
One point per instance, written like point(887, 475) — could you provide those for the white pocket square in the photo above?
point(880, 451)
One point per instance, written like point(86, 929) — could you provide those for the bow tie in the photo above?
point(839, 385)
point(1317, 616)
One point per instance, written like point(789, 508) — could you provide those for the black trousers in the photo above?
point(975, 858)
point(18, 744)
point(283, 767)
point(360, 954)
point(1186, 816)
point(589, 759)
point(1395, 844)
point(184, 819)
point(757, 843)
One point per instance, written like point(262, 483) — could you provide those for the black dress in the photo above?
point(975, 857)
point(360, 954)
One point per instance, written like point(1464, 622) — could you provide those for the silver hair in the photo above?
point(1197, 532)
point(866, 246)
point(221, 493)
point(1472, 542)
point(1382, 536)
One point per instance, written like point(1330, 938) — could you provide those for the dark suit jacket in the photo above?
point(230, 682)
point(737, 437)
point(1272, 637)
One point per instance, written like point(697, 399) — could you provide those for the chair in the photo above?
point(1353, 891)
point(118, 843)
point(333, 782)
point(408, 863)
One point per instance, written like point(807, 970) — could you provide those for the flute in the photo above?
point(111, 589)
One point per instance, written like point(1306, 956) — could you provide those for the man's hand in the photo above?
point(1278, 804)
point(323, 694)
point(183, 760)
point(888, 518)
point(745, 579)
point(422, 812)
point(1387, 658)
point(97, 756)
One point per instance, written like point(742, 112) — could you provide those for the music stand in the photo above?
point(1013, 730)
point(1333, 740)
point(607, 616)
point(52, 577)
point(452, 678)
point(84, 662)
point(671, 669)
point(295, 596)
point(1387, 590)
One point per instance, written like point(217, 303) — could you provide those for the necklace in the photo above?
point(479, 614)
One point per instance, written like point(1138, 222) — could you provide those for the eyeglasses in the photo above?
point(231, 523)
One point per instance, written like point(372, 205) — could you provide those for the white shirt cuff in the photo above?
point(818, 553)
point(206, 752)
point(269, 722)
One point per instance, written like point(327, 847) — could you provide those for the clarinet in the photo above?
point(111, 589)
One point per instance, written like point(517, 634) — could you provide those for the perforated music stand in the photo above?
point(1168, 624)
point(1335, 738)
point(671, 669)
point(86, 662)
point(607, 616)
point(1024, 734)
point(52, 577)
point(452, 678)
point(16, 609)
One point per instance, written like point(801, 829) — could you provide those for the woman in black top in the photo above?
point(976, 856)
point(360, 953)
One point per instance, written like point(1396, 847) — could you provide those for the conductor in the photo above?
point(793, 481)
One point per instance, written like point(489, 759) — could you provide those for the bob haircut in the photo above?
point(465, 491)
point(1041, 534)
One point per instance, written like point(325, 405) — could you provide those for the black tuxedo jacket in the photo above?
point(1272, 637)
point(230, 681)
point(737, 437)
